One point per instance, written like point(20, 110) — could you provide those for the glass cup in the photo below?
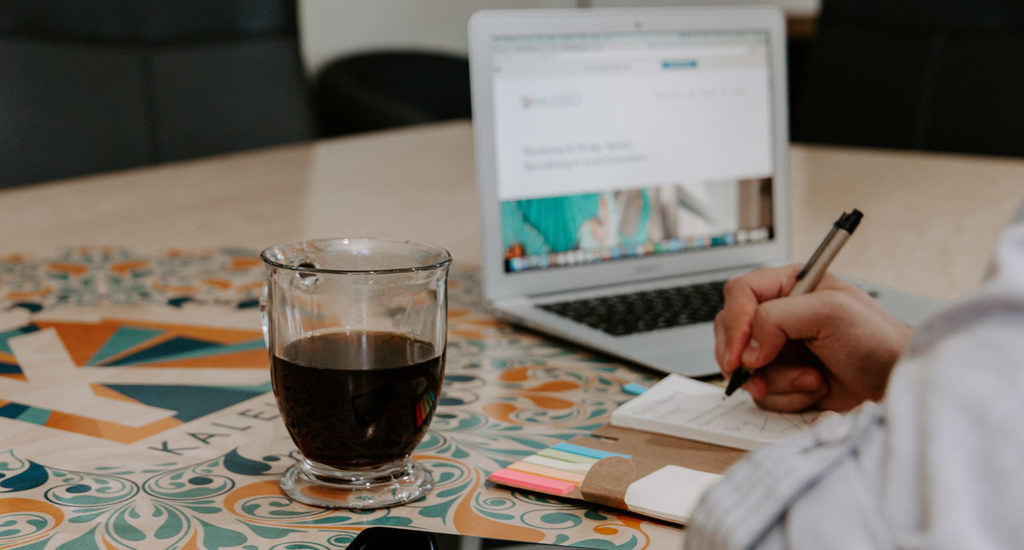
point(356, 330)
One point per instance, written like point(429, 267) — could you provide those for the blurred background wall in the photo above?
point(337, 27)
point(111, 84)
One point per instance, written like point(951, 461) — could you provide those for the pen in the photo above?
point(811, 274)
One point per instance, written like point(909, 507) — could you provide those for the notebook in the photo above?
point(629, 161)
point(582, 471)
point(680, 433)
point(691, 409)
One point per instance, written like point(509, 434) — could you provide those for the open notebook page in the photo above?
point(687, 408)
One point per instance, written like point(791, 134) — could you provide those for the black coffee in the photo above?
point(357, 399)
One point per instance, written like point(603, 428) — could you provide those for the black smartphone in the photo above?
point(394, 538)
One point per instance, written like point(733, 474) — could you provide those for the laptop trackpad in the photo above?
point(689, 350)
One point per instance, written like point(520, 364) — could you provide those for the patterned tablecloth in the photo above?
point(135, 413)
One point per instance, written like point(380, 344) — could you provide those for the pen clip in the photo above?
point(821, 247)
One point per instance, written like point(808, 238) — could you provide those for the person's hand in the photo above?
point(831, 349)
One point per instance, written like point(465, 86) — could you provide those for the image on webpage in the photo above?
point(586, 228)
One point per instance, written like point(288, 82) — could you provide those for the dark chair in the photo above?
point(109, 84)
point(384, 89)
point(945, 75)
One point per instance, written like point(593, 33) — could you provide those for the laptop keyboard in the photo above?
point(625, 314)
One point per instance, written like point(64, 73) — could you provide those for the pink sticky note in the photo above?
point(532, 482)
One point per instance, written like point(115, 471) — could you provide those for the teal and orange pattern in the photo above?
point(176, 337)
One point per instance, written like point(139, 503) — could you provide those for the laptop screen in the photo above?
point(629, 144)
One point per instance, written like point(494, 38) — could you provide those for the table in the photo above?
point(134, 412)
point(930, 222)
point(133, 388)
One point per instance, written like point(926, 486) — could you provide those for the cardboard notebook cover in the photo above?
point(609, 479)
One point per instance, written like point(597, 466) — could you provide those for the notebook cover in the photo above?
point(608, 479)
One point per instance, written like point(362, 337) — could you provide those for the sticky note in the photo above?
point(532, 482)
point(567, 457)
point(578, 467)
point(648, 495)
point(555, 473)
point(634, 389)
point(586, 451)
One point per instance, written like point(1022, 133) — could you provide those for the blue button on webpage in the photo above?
point(679, 64)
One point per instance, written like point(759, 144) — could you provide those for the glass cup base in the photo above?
point(367, 488)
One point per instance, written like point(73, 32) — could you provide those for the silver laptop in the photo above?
point(629, 162)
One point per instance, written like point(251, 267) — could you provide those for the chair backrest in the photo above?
point(379, 89)
point(947, 75)
point(108, 84)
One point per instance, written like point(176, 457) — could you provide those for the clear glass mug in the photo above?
point(356, 330)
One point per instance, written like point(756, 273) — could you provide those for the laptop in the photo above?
point(629, 162)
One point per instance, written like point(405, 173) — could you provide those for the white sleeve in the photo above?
point(762, 499)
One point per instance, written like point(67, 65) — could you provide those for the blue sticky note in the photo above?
point(586, 451)
point(634, 389)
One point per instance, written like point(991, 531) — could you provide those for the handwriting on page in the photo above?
point(737, 415)
point(683, 407)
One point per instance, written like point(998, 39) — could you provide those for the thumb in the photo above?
point(779, 321)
